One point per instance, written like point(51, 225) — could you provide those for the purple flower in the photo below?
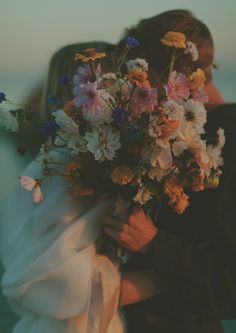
point(2, 97)
point(119, 116)
point(65, 79)
point(89, 97)
point(177, 88)
point(131, 41)
point(84, 74)
point(50, 128)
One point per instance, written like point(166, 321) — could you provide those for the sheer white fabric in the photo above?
point(53, 277)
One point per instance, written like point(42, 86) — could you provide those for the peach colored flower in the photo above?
point(174, 39)
point(181, 203)
point(173, 188)
point(197, 79)
point(122, 175)
point(139, 78)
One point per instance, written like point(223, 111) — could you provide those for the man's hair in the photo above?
point(150, 31)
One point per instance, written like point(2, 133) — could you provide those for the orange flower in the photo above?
point(173, 188)
point(89, 55)
point(169, 127)
point(139, 78)
point(122, 175)
point(197, 79)
point(68, 107)
point(178, 199)
point(174, 39)
point(181, 203)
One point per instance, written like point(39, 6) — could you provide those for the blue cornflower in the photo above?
point(119, 117)
point(65, 79)
point(131, 41)
point(50, 128)
point(53, 100)
point(2, 97)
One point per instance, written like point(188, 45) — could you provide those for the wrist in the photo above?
point(147, 247)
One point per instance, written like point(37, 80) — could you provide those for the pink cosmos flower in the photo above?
point(89, 97)
point(200, 95)
point(177, 88)
point(143, 100)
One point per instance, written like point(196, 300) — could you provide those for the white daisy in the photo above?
point(102, 142)
point(195, 113)
point(67, 127)
point(77, 144)
point(137, 64)
point(191, 49)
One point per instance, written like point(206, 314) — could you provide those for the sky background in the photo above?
point(32, 30)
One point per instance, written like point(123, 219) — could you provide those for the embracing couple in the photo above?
point(179, 276)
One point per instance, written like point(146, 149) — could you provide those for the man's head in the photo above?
point(150, 31)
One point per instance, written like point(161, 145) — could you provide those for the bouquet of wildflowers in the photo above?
point(128, 139)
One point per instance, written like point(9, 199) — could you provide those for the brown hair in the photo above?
point(150, 31)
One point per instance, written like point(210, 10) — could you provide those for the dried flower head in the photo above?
point(90, 55)
point(122, 175)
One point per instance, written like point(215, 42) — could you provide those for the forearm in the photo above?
point(137, 286)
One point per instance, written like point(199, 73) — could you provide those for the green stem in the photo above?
point(172, 63)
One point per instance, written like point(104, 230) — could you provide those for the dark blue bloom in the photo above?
point(2, 97)
point(50, 128)
point(131, 41)
point(65, 79)
point(53, 100)
point(133, 133)
point(119, 117)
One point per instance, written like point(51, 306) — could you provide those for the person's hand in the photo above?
point(135, 233)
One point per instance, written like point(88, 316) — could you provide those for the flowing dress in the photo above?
point(54, 279)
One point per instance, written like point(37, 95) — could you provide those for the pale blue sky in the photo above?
point(32, 30)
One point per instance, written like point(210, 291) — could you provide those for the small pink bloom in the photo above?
point(31, 184)
point(177, 88)
point(200, 95)
point(143, 100)
point(89, 97)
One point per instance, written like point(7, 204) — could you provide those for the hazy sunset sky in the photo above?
point(32, 30)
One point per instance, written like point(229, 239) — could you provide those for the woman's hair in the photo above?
point(150, 31)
